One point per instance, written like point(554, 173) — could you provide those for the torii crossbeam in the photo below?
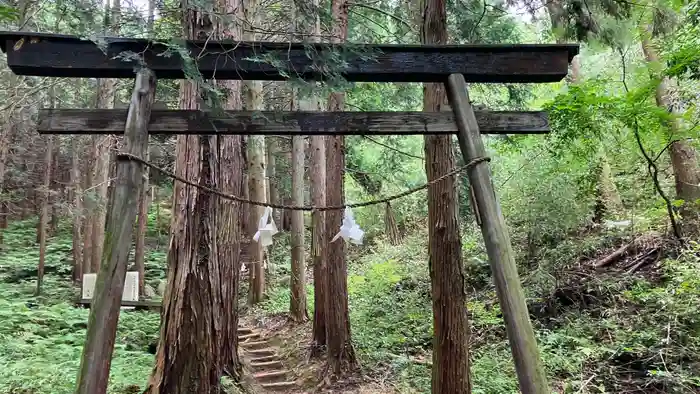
point(54, 55)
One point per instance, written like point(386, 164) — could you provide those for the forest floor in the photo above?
point(620, 327)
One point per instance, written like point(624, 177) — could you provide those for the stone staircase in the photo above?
point(261, 358)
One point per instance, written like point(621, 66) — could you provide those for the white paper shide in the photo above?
point(265, 230)
point(349, 230)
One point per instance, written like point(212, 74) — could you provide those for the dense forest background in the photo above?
point(603, 212)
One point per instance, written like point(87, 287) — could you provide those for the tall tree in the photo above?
point(44, 214)
point(9, 122)
point(197, 342)
point(305, 24)
point(297, 283)
point(49, 160)
point(273, 188)
point(450, 324)
point(77, 199)
point(5, 139)
point(141, 225)
point(684, 157)
point(101, 151)
point(96, 167)
point(341, 355)
point(319, 241)
point(230, 213)
point(255, 145)
point(142, 221)
point(88, 205)
point(308, 11)
point(608, 199)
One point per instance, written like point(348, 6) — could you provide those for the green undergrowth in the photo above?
point(603, 331)
point(41, 337)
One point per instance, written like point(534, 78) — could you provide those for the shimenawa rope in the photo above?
point(130, 157)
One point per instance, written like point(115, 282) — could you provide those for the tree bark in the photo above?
point(684, 157)
point(341, 355)
point(198, 337)
point(197, 306)
point(77, 211)
point(272, 181)
point(297, 283)
point(319, 241)
point(151, 17)
point(231, 181)
point(256, 167)
point(142, 221)
point(231, 228)
point(5, 139)
point(308, 22)
point(297, 308)
point(101, 180)
point(89, 204)
point(141, 226)
point(44, 216)
point(450, 324)
point(102, 149)
point(56, 195)
point(23, 8)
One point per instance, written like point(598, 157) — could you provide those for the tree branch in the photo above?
point(651, 164)
point(381, 11)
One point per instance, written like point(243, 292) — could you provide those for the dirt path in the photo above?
point(262, 360)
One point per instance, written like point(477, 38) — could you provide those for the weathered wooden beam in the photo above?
point(111, 121)
point(52, 55)
point(528, 364)
point(107, 300)
point(138, 305)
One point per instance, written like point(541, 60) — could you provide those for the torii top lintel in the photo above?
point(52, 55)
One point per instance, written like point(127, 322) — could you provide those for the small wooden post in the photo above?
point(528, 364)
point(93, 376)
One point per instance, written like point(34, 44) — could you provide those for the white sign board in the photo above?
point(131, 286)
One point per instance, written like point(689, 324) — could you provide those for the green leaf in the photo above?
point(8, 13)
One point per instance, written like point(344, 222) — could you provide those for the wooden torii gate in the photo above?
point(49, 55)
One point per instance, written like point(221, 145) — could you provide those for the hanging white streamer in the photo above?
point(349, 230)
point(265, 230)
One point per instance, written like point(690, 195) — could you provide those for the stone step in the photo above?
point(255, 344)
point(252, 335)
point(279, 386)
point(244, 331)
point(261, 352)
point(263, 365)
point(264, 359)
point(270, 377)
